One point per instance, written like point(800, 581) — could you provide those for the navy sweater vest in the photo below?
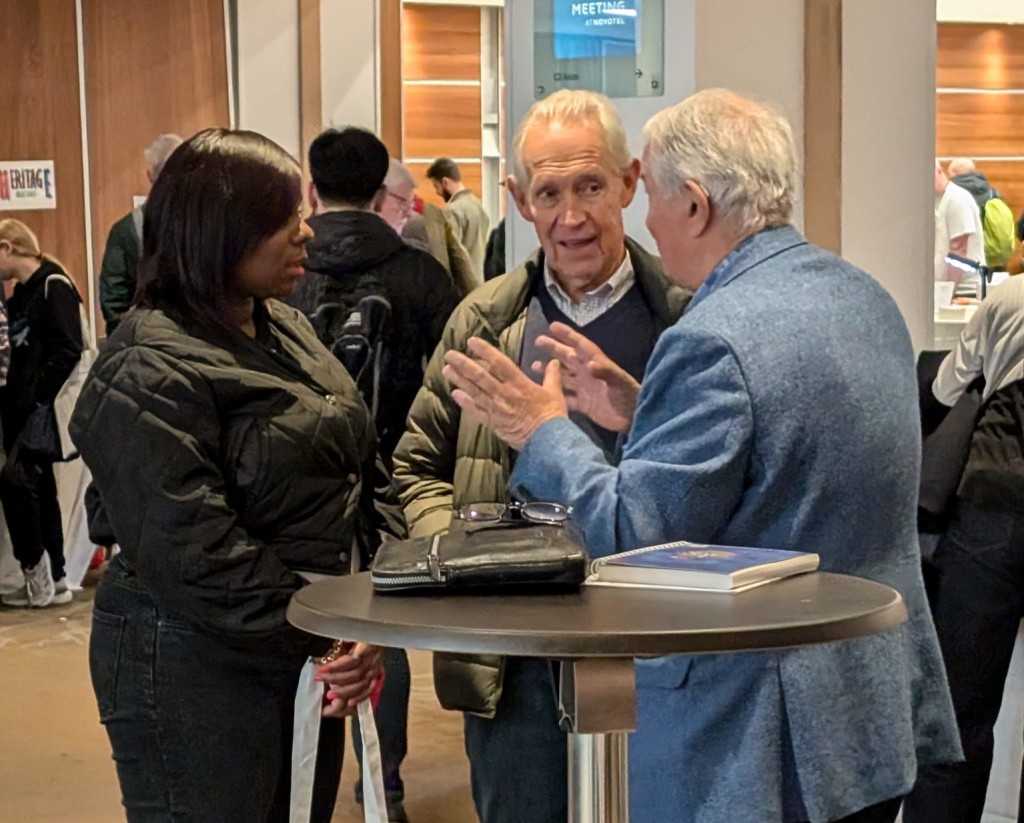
point(626, 332)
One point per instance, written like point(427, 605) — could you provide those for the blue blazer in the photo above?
point(780, 411)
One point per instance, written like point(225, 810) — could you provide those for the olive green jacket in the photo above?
point(445, 460)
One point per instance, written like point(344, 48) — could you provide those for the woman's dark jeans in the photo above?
point(200, 731)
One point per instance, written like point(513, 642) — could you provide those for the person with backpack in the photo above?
point(45, 330)
point(380, 306)
point(996, 217)
point(356, 254)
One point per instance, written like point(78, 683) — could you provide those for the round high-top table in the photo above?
point(595, 635)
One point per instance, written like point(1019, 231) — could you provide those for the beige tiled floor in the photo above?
point(55, 764)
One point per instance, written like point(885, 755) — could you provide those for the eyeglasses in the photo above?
point(551, 514)
point(404, 202)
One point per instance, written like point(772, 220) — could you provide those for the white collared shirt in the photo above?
point(594, 303)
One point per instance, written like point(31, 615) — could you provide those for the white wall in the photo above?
point(268, 70)
point(980, 11)
point(735, 56)
point(268, 67)
point(888, 199)
point(348, 60)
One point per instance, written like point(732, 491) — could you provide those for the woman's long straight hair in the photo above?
point(220, 193)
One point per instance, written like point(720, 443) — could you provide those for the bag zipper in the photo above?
point(436, 573)
point(399, 581)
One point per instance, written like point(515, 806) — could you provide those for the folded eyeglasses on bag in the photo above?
point(514, 513)
point(496, 545)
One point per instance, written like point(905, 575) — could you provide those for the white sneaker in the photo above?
point(18, 598)
point(39, 582)
point(61, 592)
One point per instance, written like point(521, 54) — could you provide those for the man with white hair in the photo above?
point(780, 411)
point(429, 232)
point(118, 273)
point(573, 175)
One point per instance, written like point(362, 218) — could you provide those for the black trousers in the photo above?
point(200, 731)
point(977, 603)
point(28, 492)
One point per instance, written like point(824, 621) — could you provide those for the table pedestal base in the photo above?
point(598, 709)
point(598, 778)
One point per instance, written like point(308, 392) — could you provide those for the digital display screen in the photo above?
point(598, 28)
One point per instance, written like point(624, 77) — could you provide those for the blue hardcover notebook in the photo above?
point(700, 566)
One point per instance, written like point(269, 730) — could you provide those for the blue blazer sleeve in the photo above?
point(683, 465)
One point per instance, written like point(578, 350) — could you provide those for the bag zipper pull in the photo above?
point(433, 561)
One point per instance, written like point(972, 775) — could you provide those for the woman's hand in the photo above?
point(593, 385)
point(494, 391)
point(350, 678)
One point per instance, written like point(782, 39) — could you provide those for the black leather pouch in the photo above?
point(505, 556)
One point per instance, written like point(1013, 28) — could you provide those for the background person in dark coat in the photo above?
point(978, 567)
point(494, 259)
point(232, 455)
point(119, 269)
point(46, 344)
point(429, 231)
point(357, 253)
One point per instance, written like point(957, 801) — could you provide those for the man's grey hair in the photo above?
point(158, 151)
point(960, 165)
point(398, 175)
point(740, 151)
point(572, 107)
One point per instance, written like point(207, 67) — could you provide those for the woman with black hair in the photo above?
point(234, 458)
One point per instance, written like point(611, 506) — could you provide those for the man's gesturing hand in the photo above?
point(593, 385)
point(492, 389)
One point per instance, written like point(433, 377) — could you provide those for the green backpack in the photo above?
point(1000, 233)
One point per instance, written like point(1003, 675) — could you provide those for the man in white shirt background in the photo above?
point(958, 228)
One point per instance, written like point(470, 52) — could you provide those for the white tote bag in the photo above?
point(309, 701)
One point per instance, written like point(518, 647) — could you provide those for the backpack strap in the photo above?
point(87, 341)
point(60, 278)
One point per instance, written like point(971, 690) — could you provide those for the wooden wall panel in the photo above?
point(441, 43)
point(471, 177)
point(151, 68)
point(39, 118)
point(980, 125)
point(310, 91)
point(980, 56)
point(390, 35)
point(823, 122)
point(442, 121)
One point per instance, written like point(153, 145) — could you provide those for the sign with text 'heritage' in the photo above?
point(27, 184)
